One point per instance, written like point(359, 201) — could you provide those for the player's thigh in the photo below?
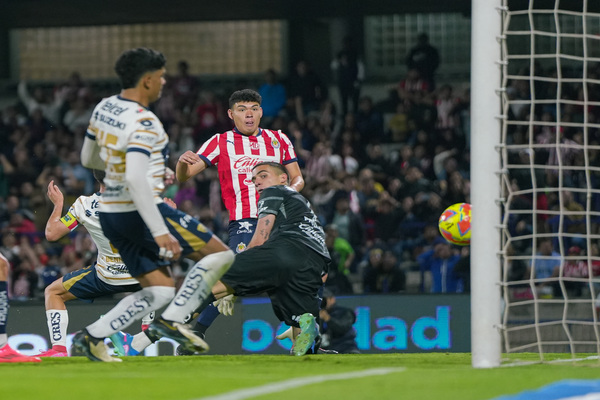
point(299, 293)
point(192, 235)
point(86, 285)
point(128, 233)
point(254, 271)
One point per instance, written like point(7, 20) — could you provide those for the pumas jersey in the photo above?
point(109, 266)
point(119, 125)
point(235, 155)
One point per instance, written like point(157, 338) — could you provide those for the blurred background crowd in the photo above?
point(378, 173)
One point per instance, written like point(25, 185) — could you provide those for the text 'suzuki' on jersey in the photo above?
point(235, 155)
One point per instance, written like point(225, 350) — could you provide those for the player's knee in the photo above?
point(54, 289)
point(221, 257)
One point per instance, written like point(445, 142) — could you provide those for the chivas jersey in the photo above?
point(120, 126)
point(235, 155)
point(109, 266)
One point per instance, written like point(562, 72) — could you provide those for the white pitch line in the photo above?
point(296, 382)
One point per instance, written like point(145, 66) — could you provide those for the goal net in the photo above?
point(550, 177)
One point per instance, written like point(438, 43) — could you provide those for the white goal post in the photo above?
point(485, 183)
point(535, 173)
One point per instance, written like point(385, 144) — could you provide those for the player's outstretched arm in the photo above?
point(55, 229)
point(188, 165)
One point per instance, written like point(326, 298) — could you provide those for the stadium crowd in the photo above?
point(377, 176)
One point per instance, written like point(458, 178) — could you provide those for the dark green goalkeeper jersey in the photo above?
point(294, 217)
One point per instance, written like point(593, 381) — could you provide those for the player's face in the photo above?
point(266, 176)
point(246, 117)
point(155, 82)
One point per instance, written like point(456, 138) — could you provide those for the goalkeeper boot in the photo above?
point(180, 333)
point(122, 342)
point(182, 351)
point(93, 348)
point(307, 336)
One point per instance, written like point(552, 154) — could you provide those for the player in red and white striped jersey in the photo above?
point(235, 153)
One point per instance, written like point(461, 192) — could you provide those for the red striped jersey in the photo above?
point(235, 155)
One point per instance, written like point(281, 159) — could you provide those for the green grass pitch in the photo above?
point(416, 376)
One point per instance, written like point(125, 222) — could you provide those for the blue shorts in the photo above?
point(240, 233)
point(130, 235)
point(85, 285)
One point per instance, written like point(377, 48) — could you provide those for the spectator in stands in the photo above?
point(348, 223)
point(349, 72)
point(209, 117)
point(185, 87)
point(274, 97)
point(440, 263)
point(383, 274)
point(305, 90)
point(424, 58)
point(369, 122)
point(342, 259)
point(545, 264)
point(50, 107)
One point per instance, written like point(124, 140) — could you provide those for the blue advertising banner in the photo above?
point(384, 324)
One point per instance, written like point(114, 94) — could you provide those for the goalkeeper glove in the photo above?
point(225, 304)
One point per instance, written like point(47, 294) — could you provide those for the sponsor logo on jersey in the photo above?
point(113, 108)
point(254, 145)
point(110, 121)
point(245, 164)
point(245, 227)
point(143, 138)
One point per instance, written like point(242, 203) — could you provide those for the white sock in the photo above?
point(58, 321)
point(130, 309)
point(140, 342)
point(3, 339)
point(198, 284)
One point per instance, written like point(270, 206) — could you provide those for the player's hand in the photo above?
point(170, 203)
point(54, 194)
point(225, 305)
point(189, 158)
point(288, 334)
point(169, 176)
point(169, 248)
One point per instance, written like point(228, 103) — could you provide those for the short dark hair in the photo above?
point(244, 95)
point(133, 64)
point(279, 167)
point(99, 175)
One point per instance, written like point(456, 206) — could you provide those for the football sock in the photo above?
point(140, 341)
point(3, 312)
point(207, 317)
point(196, 288)
point(57, 321)
point(130, 309)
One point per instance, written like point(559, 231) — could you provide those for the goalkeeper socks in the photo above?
point(3, 312)
point(207, 316)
